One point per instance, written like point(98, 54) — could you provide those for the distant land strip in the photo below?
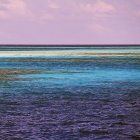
point(69, 45)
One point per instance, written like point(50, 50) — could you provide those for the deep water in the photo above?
point(70, 97)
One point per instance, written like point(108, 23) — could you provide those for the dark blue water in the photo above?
point(71, 97)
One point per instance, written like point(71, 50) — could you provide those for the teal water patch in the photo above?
point(98, 76)
point(118, 83)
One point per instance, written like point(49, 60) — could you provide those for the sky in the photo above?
point(69, 21)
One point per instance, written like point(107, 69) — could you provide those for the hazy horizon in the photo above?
point(70, 45)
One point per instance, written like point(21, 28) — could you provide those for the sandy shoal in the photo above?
point(46, 53)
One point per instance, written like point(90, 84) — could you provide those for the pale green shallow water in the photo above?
point(70, 93)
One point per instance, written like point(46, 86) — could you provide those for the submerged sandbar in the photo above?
point(72, 52)
point(10, 74)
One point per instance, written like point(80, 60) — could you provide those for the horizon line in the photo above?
point(69, 45)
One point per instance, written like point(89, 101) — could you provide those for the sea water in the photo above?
point(74, 93)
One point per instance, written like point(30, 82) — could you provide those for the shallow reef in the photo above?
point(87, 93)
point(10, 74)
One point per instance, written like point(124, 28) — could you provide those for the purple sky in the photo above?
point(69, 21)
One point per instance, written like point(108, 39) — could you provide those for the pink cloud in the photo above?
point(98, 6)
point(46, 16)
point(14, 8)
point(97, 27)
point(137, 13)
point(137, 2)
point(3, 15)
point(53, 5)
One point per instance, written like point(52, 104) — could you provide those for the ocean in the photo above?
point(70, 93)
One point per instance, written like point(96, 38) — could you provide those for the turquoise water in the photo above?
point(79, 95)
